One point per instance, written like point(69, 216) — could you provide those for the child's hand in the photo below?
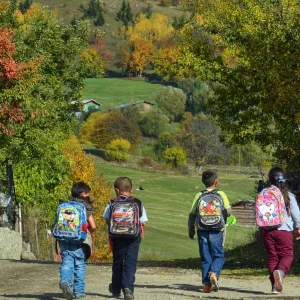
point(191, 234)
point(297, 233)
point(144, 224)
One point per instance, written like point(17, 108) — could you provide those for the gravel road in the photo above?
point(21, 280)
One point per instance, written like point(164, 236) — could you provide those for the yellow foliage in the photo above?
point(83, 169)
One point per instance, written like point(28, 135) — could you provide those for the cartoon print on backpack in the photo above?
point(210, 211)
point(71, 222)
point(124, 220)
point(270, 208)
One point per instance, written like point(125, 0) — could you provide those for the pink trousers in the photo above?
point(279, 246)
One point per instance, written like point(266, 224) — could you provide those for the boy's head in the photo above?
point(123, 185)
point(80, 189)
point(209, 178)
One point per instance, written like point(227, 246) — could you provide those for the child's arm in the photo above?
point(92, 224)
point(191, 225)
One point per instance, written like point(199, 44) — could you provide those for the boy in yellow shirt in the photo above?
point(209, 211)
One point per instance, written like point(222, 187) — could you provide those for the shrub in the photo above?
point(113, 125)
point(153, 123)
point(175, 156)
point(118, 150)
point(146, 162)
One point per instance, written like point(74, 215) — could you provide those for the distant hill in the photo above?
point(67, 10)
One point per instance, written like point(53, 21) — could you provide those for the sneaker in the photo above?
point(115, 294)
point(278, 277)
point(66, 290)
point(128, 294)
point(214, 282)
point(274, 291)
point(206, 288)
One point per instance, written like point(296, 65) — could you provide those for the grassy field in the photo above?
point(168, 199)
point(111, 92)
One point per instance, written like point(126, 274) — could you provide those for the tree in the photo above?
point(83, 169)
point(251, 49)
point(172, 102)
point(175, 157)
point(24, 6)
point(91, 63)
point(141, 40)
point(153, 123)
point(125, 13)
point(198, 93)
point(118, 150)
point(114, 125)
point(93, 11)
point(165, 140)
point(199, 136)
point(42, 82)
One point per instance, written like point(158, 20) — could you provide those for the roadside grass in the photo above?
point(111, 92)
point(167, 199)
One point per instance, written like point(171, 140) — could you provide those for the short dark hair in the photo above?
point(209, 177)
point(79, 188)
point(123, 184)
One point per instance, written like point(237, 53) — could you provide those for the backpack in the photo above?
point(270, 209)
point(124, 218)
point(71, 222)
point(210, 211)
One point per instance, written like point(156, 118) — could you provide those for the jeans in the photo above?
point(73, 265)
point(279, 246)
point(211, 253)
point(125, 257)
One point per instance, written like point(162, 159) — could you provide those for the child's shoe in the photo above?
point(206, 288)
point(278, 277)
point(115, 294)
point(128, 294)
point(214, 282)
point(274, 291)
point(66, 290)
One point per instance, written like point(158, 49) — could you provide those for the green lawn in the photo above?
point(111, 92)
point(168, 199)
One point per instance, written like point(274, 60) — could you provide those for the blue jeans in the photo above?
point(211, 253)
point(73, 264)
point(125, 257)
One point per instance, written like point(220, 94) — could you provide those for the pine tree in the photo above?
point(100, 18)
point(128, 13)
point(121, 12)
point(125, 13)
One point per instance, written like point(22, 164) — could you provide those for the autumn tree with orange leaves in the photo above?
point(142, 40)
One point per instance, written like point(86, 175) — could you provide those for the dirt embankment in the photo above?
point(39, 280)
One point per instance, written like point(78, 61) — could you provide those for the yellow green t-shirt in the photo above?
point(223, 195)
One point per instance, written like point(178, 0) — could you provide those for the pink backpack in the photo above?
point(270, 208)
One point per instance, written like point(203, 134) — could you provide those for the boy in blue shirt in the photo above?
point(210, 239)
point(125, 250)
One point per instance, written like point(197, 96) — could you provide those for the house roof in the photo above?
point(87, 101)
point(133, 103)
point(91, 100)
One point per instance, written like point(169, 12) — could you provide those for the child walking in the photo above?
point(74, 254)
point(125, 217)
point(279, 241)
point(209, 211)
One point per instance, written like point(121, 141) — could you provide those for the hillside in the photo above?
point(67, 10)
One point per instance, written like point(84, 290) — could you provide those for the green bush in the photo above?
point(118, 150)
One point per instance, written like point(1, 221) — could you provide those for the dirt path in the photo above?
point(39, 280)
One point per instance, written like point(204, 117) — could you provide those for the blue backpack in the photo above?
point(71, 222)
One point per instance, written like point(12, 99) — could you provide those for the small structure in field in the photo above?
point(244, 210)
point(142, 105)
